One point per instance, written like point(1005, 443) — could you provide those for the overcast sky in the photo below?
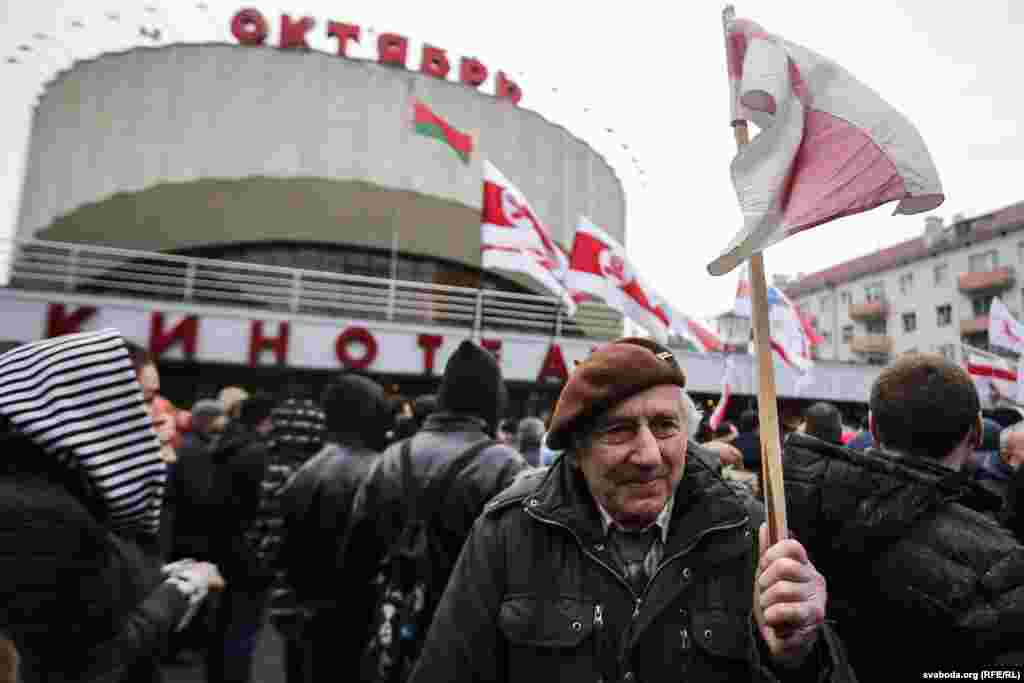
point(652, 71)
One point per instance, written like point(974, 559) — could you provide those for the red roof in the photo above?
point(983, 228)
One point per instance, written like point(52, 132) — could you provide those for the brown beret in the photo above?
point(612, 373)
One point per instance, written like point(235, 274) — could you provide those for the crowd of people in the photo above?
point(618, 537)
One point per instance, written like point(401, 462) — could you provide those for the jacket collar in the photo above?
point(702, 501)
point(454, 422)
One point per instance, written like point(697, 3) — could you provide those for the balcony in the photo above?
point(988, 281)
point(974, 325)
point(871, 343)
point(869, 310)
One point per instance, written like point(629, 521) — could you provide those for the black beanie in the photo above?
point(472, 384)
point(354, 404)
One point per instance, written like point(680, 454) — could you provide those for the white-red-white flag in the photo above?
point(1003, 330)
point(512, 237)
point(792, 333)
point(699, 334)
point(728, 381)
point(598, 268)
point(994, 376)
point(829, 146)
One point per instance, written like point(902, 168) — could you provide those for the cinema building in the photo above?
point(253, 213)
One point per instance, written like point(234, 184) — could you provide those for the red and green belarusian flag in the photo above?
point(426, 122)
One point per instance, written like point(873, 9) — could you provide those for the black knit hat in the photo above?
point(355, 404)
point(472, 384)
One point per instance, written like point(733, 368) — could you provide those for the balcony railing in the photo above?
point(871, 343)
point(987, 281)
point(61, 267)
point(869, 310)
point(974, 325)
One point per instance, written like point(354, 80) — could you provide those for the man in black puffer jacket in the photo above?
point(315, 507)
point(921, 576)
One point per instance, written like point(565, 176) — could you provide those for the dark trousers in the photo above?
point(239, 619)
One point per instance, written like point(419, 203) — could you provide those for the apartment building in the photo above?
point(925, 294)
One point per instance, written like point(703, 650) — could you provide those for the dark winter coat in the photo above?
point(80, 603)
point(190, 494)
point(920, 574)
point(381, 510)
point(537, 596)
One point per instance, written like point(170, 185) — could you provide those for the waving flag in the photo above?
point(728, 379)
point(829, 146)
point(426, 122)
point(513, 238)
point(793, 334)
point(702, 337)
point(1003, 330)
point(993, 375)
point(598, 268)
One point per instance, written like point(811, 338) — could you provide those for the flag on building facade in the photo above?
point(993, 375)
point(599, 268)
point(1003, 330)
point(829, 146)
point(723, 401)
point(512, 237)
point(426, 122)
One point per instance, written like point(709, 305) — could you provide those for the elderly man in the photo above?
point(629, 559)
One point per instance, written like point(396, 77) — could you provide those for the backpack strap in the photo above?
point(437, 488)
point(408, 483)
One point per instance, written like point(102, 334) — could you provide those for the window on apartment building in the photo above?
point(877, 326)
point(1020, 252)
point(847, 333)
point(981, 305)
point(846, 298)
point(949, 351)
point(906, 283)
point(944, 315)
point(827, 337)
point(909, 322)
point(874, 292)
point(984, 262)
point(824, 302)
point(941, 273)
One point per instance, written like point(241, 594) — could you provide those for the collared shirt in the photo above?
point(656, 550)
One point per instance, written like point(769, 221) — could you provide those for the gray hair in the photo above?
point(693, 414)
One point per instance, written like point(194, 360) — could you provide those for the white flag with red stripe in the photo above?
point(728, 380)
point(1003, 330)
point(598, 267)
point(512, 237)
point(829, 146)
point(702, 337)
point(993, 375)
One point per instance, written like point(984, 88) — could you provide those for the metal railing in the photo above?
point(65, 267)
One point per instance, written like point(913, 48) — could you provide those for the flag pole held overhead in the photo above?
point(771, 449)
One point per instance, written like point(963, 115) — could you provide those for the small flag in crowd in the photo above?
point(1003, 330)
point(829, 146)
point(426, 122)
point(513, 238)
point(728, 380)
point(598, 268)
point(993, 375)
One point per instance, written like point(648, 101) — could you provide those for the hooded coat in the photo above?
point(921, 575)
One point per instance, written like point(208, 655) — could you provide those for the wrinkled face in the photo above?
point(634, 456)
point(1013, 455)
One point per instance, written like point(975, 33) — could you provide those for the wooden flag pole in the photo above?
point(768, 411)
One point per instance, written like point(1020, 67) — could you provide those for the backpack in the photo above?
point(412, 576)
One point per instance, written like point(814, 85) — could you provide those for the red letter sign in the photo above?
point(278, 344)
point(186, 331)
point(435, 62)
point(344, 33)
point(554, 366)
point(507, 89)
point(392, 49)
point(249, 27)
point(293, 33)
point(58, 322)
point(494, 346)
point(429, 343)
point(472, 72)
point(356, 335)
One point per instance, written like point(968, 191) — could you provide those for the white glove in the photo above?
point(194, 580)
